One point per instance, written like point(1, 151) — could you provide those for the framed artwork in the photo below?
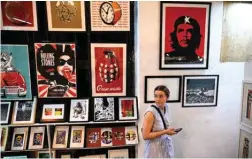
point(79, 110)
point(120, 153)
point(60, 137)
point(15, 64)
point(245, 144)
point(173, 83)
point(118, 136)
point(184, 35)
point(24, 112)
point(4, 130)
point(19, 15)
point(128, 109)
point(19, 138)
point(37, 136)
point(93, 137)
point(46, 154)
point(106, 137)
point(200, 90)
point(131, 135)
point(101, 156)
point(53, 112)
point(56, 70)
point(110, 15)
point(108, 67)
point(77, 136)
point(5, 112)
point(104, 109)
point(246, 117)
point(66, 15)
point(66, 156)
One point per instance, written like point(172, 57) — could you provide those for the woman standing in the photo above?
point(158, 143)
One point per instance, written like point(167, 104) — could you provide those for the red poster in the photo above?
point(118, 136)
point(108, 69)
point(93, 137)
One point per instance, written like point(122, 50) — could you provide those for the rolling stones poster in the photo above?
point(110, 15)
point(15, 73)
point(108, 69)
point(56, 70)
point(19, 15)
point(184, 38)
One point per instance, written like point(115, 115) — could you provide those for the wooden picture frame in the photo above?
point(37, 137)
point(128, 108)
point(60, 138)
point(104, 109)
point(119, 153)
point(79, 110)
point(77, 136)
point(19, 138)
point(131, 135)
point(53, 113)
point(5, 112)
point(179, 50)
point(246, 114)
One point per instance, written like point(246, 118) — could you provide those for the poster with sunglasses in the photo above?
point(108, 67)
point(56, 70)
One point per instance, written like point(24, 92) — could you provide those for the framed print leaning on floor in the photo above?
point(246, 117)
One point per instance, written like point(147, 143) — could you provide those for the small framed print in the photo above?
point(128, 109)
point(19, 15)
point(77, 136)
point(131, 135)
point(101, 156)
point(246, 118)
point(245, 144)
point(106, 137)
point(24, 112)
point(45, 154)
point(104, 109)
point(5, 112)
point(200, 90)
point(93, 137)
point(53, 112)
point(60, 137)
point(120, 153)
point(19, 138)
point(118, 136)
point(37, 136)
point(4, 136)
point(79, 110)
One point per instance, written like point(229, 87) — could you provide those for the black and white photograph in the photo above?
point(200, 91)
point(24, 112)
point(104, 109)
point(5, 112)
point(79, 110)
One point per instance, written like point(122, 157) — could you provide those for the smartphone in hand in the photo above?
point(178, 130)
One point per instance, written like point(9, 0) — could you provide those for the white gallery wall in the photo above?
point(207, 131)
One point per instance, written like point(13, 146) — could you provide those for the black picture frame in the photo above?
point(200, 92)
point(136, 110)
point(100, 101)
point(179, 58)
point(160, 81)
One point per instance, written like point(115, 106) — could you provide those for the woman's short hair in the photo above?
point(164, 89)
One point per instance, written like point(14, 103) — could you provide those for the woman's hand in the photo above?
point(170, 131)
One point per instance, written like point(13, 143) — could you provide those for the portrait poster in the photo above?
point(110, 15)
point(4, 136)
point(5, 112)
point(245, 144)
point(93, 137)
point(77, 136)
point(246, 117)
point(104, 109)
point(53, 112)
point(19, 15)
point(79, 110)
point(66, 15)
point(184, 39)
point(60, 137)
point(19, 138)
point(106, 137)
point(118, 136)
point(131, 136)
point(128, 109)
point(200, 90)
point(15, 64)
point(37, 136)
point(108, 67)
point(56, 70)
point(120, 153)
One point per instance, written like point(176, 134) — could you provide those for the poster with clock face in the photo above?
point(108, 67)
point(110, 15)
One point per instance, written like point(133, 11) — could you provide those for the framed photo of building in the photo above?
point(104, 109)
point(120, 153)
point(246, 117)
point(200, 91)
point(128, 109)
point(4, 130)
point(53, 112)
point(66, 15)
point(37, 136)
point(24, 112)
point(79, 110)
point(5, 112)
point(131, 135)
point(77, 136)
point(173, 83)
point(184, 35)
point(19, 15)
point(60, 137)
point(19, 139)
point(245, 144)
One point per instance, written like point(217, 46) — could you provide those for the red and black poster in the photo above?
point(56, 70)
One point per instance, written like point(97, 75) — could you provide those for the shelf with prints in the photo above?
point(10, 151)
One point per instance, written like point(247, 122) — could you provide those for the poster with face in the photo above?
point(118, 136)
point(184, 38)
point(15, 73)
point(106, 137)
point(37, 136)
point(108, 66)
point(104, 109)
point(56, 70)
point(19, 138)
point(93, 137)
point(19, 15)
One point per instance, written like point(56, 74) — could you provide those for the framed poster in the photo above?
point(128, 109)
point(37, 135)
point(15, 64)
point(93, 137)
point(19, 138)
point(45, 154)
point(110, 15)
point(5, 112)
point(173, 83)
point(118, 136)
point(106, 137)
point(245, 144)
point(66, 15)
point(120, 153)
point(246, 117)
point(60, 138)
point(79, 110)
point(131, 135)
point(24, 112)
point(108, 67)
point(77, 136)
point(184, 35)
point(19, 15)
point(53, 112)
point(4, 130)
point(104, 109)
point(56, 70)
point(200, 91)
